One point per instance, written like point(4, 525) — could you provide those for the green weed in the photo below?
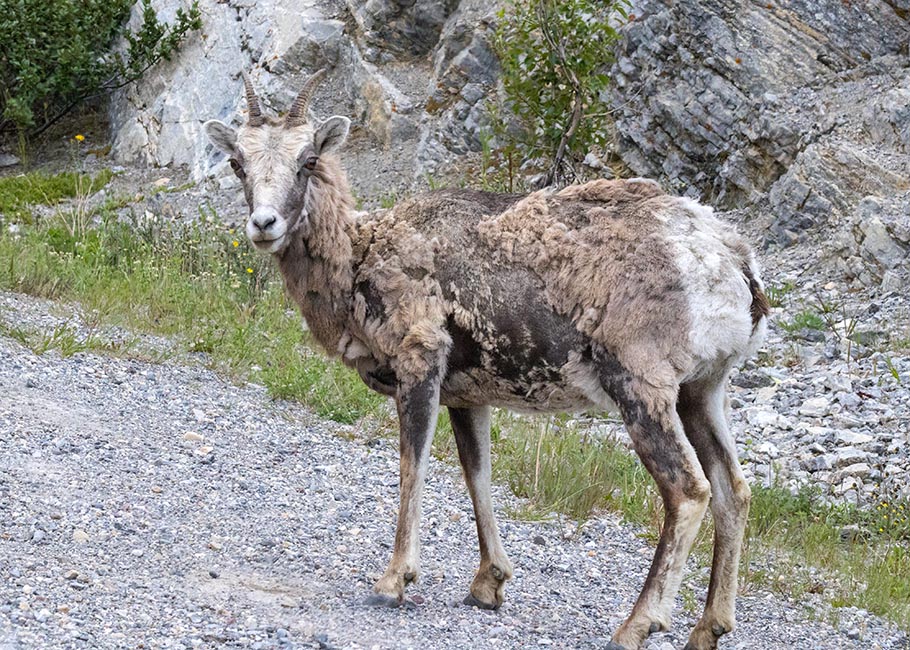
point(388, 200)
point(65, 340)
point(804, 320)
point(17, 193)
point(777, 293)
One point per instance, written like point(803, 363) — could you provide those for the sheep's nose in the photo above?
point(263, 220)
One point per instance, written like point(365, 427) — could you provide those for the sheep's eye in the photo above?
point(309, 164)
point(237, 168)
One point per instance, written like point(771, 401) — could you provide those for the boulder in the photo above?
point(887, 117)
point(826, 179)
point(280, 42)
point(796, 112)
point(465, 73)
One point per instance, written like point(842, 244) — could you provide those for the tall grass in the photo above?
point(199, 283)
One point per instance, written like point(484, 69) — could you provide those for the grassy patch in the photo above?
point(804, 320)
point(65, 340)
point(561, 468)
point(198, 282)
point(17, 193)
point(201, 284)
point(862, 554)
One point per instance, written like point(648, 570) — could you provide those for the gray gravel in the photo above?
point(160, 506)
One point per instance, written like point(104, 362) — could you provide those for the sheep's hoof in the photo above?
point(382, 600)
point(471, 601)
point(706, 639)
point(712, 645)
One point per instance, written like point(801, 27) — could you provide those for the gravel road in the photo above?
point(160, 506)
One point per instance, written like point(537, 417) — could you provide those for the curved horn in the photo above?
point(297, 114)
point(252, 102)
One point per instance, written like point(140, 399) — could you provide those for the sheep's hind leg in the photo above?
point(657, 434)
point(418, 408)
point(472, 435)
point(703, 412)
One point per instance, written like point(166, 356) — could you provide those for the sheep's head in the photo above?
point(275, 160)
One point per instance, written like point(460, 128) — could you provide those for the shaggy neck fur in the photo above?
point(317, 263)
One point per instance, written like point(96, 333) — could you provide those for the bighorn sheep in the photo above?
point(603, 295)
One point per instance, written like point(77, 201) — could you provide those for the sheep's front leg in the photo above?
point(418, 407)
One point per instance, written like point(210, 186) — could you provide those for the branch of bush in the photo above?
point(555, 58)
point(577, 91)
point(55, 56)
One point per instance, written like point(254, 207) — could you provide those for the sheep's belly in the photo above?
point(475, 387)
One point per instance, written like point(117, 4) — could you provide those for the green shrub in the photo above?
point(56, 54)
point(555, 57)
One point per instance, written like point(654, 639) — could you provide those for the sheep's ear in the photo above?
point(221, 135)
point(331, 134)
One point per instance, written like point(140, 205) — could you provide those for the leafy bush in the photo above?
point(555, 57)
point(57, 54)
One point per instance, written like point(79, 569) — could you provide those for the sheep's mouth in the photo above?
point(264, 245)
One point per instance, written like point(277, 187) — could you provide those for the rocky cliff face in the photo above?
point(796, 111)
point(409, 72)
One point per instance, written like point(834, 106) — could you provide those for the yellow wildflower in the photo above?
point(80, 137)
point(249, 270)
point(235, 243)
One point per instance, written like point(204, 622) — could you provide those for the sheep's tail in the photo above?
point(760, 307)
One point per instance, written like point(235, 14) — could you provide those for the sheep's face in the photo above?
point(275, 161)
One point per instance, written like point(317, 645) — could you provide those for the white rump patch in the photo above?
point(717, 292)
